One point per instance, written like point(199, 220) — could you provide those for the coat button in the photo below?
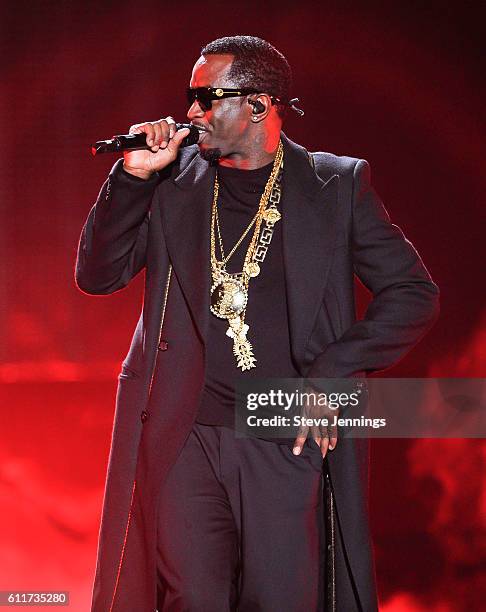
point(144, 415)
point(163, 345)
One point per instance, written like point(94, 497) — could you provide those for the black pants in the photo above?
point(241, 527)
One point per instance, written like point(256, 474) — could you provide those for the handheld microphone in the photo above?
point(137, 142)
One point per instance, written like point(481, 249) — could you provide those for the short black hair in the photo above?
point(256, 64)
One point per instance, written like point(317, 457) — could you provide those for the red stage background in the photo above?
point(399, 84)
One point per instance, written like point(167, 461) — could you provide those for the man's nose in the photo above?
point(195, 110)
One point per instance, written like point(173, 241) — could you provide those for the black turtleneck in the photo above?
point(266, 313)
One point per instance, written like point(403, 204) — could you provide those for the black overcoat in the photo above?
point(333, 226)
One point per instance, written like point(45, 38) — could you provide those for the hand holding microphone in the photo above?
point(162, 139)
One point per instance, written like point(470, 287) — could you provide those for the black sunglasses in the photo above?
point(205, 95)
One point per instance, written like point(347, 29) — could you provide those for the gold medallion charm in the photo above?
point(228, 298)
point(271, 215)
point(252, 269)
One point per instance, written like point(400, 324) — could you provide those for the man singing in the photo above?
point(249, 245)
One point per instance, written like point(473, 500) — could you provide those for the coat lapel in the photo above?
point(309, 211)
point(186, 222)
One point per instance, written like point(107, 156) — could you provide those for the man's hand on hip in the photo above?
point(322, 428)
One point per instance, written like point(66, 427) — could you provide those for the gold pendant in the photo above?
point(252, 269)
point(242, 348)
point(228, 298)
point(243, 352)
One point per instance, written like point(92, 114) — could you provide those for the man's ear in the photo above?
point(261, 105)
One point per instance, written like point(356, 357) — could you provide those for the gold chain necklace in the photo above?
point(229, 292)
point(225, 258)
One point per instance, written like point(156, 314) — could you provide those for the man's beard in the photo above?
point(210, 155)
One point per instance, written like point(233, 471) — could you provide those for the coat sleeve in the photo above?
point(113, 240)
point(405, 301)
